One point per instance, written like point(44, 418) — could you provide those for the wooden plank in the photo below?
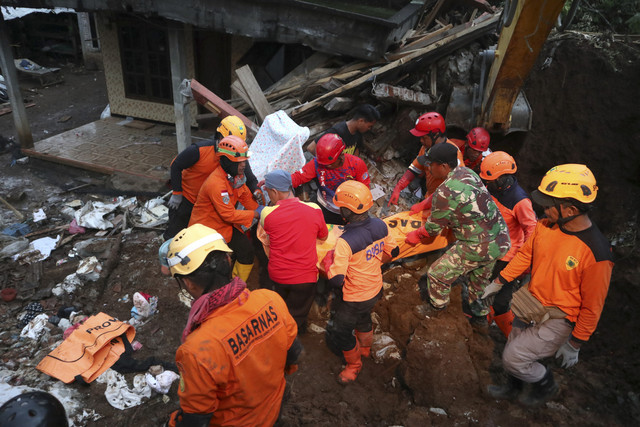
point(434, 12)
point(317, 60)
point(7, 110)
point(238, 89)
point(447, 44)
point(217, 105)
point(424, 40)
point(251, 86)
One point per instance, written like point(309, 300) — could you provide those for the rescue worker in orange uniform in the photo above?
point(571, 264)
point(353, 270)
point(498, 173)
point(431, 129)
point(330, 168)
point(475, 148)
point(192, 167)
point(237, 344)
point(216, 203)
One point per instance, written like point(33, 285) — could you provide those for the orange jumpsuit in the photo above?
point(216, 205)
point(421, 170)
point(233, 365)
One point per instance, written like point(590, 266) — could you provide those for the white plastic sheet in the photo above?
point(118, 393)
point(278, 145)
point(162, 382)
point(36, 327)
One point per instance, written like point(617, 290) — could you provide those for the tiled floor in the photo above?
point(108, 147)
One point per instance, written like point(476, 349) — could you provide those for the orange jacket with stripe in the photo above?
point(215, 206)
point(516, 209)
point(357, 259)
point(420, 169)
point(569, 270)
point(232, 366)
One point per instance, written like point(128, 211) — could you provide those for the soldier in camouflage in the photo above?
point(464, 205)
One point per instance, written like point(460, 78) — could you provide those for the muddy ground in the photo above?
point(585, 111)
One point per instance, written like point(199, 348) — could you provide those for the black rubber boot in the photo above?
point(508, 391)
point(541, 391)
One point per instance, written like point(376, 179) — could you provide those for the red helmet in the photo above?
point(478, 139)
point(329, 148)
point(429, 124)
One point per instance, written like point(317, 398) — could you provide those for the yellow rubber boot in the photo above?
point(242, 271)
point(365, 339)
point(354, 364)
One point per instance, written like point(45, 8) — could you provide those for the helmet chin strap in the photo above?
point(562, 221)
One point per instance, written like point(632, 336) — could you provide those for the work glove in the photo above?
point(259, 210)
point(401, 185)
point(422, 206)
point(492, 289)
point(416, 236)
point(258, 196)
point(569, 355)
point(174, 201)
point(327, 261)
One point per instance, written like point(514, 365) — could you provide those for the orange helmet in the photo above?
point(431, 124)
point(354, 196)
point(234, 148)
point(497, 164)
point(478, 139)
point(329, 148)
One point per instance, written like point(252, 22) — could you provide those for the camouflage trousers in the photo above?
point(474, 261)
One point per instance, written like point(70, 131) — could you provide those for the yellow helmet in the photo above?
point(189, 248)
point(354, 196)
point(570, 181)
point(233, 125)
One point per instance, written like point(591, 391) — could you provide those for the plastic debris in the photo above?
point(74, 228)
point(18, 229)
point(39, 215)
point(29, 312)
point(92, 215)
point(38, 250)
point(119, 395)
point(161, 382)
point(36, 327)
point(136, 345)
point(69, 285)
point(89, 269)
point(383, 348)
point(14, 247)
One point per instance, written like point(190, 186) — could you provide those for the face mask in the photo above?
point(237, 181)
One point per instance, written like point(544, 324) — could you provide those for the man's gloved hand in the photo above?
point(401, 185)
point(327, 261)
point(569, 355)
point(258, 211)
point(422, 206)
point(416, 236)
point(492, 289)
point(174, 201)
point(258, 196)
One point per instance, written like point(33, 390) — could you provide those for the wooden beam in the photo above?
point(434, 12)
point(25, 137)
point(177, 53)
point(447, 44)
point(251, 86)
point(217, 105)
point(317, 60)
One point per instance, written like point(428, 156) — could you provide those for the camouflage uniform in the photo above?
point(464, 205)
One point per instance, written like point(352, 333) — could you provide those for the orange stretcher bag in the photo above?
point(399, 225)
point(89, 351)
